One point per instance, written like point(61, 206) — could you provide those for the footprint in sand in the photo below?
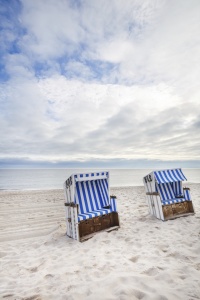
point(197, 267)
point(138, 294)
point(2, 254)
point(134, 259)
point(49, 276)
point(151, 272)
point(33, 270)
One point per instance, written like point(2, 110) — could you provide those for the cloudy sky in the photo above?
point(100, 83)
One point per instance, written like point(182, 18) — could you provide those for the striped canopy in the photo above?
point(165, 176)
point(90, 176)
point(92, 195)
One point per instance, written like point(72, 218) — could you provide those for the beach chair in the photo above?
point(89, 206)
point(166, 197)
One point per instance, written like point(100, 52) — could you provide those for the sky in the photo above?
point(99, 83)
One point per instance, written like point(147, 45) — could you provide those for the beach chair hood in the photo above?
point(165, 194)
point(167, 176)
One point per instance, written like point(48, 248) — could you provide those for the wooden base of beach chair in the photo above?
point(177, 210)
point(88, 228)
point(89, 236)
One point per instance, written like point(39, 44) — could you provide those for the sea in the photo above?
point(47, 179)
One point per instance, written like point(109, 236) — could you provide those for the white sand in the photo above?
point(145, 259)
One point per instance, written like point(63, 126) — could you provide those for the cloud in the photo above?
point(100, 80)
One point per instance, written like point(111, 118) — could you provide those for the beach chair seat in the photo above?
point(88, 198)
point(172, 201)
point(166, 196)
point(95, 213)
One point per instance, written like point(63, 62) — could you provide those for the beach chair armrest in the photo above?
point(71, 204)
point(113, 203)
point(187, 195)
point(152, 194)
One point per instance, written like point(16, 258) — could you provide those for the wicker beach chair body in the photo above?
point(165, 195)
point(89, 206)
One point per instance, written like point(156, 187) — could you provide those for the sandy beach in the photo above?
point(145, 259)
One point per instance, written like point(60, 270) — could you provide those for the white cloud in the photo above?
point(60, 119)
point(53, 28)
point(133, 90)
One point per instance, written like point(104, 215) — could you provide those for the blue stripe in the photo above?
point(187, 194)
point(159, 188)
point(180, 175)
point(177, 179)
point(85, 198)
point(113, 204)
point(78, 198)
point(179, 187)
point(168, 172)
point(160, 174)
point(174, 187)
point(106, 182)
point(183, 176)
point(90, 196)
point(105, 193)
point(101, 192)
point(94, 194)
point(166, 192)
point(170, 190)
point(166, 176)
point(157, 178)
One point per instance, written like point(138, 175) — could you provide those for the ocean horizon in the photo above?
point(47, 179)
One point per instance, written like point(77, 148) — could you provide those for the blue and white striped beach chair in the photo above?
point(89, 206)
point(166, 197)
